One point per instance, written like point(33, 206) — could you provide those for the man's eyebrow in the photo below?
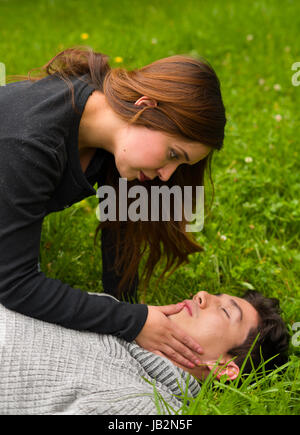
point(185, 154)
point(235, 304)
point(238, 307)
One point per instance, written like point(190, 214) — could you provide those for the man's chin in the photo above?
point(180, 319)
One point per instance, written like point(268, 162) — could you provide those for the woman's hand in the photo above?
point(163, 337)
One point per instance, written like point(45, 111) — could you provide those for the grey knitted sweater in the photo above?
point(48, 369)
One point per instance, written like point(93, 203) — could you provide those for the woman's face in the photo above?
point(154, 153)
point(136, 148)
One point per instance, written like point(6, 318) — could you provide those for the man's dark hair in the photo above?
point(273, 336)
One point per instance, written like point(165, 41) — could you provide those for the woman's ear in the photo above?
point(145, 101)
point(230, 369)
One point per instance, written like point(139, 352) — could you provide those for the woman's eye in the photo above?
point(174, 155)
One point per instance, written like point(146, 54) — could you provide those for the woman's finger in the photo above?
point(157, 352)
point(175, 330)
point(183, 348)
point(168, 310)
point(173, 353)
point(188, 342)
point(161, 334)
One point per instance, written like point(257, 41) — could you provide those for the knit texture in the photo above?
point(48, 369)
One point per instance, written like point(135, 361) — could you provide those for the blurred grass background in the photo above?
point(251, 236)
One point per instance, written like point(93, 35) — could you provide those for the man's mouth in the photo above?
point(189, 306)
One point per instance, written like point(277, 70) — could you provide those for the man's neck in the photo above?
point(200, 372)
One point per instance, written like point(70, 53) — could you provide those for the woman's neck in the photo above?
point(98, 125)
point(85, 156)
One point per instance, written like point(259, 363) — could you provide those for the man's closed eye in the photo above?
point(226, 312)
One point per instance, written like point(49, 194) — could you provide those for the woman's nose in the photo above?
point(166, 172)
point(201, 298)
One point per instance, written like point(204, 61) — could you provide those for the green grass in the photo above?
point(252, 46)
point(258, 394)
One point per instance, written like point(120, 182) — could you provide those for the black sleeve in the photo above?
point(29, 173)
point(110, 276)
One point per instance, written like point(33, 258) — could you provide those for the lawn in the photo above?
point(251, 234)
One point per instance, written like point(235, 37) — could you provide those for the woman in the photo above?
point(162, 121)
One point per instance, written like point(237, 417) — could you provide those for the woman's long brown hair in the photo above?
point(189, 106)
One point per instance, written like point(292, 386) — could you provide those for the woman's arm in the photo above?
point(29, 174)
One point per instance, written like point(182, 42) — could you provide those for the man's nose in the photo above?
point(202, 299)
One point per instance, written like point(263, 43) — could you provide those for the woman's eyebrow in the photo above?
point(185, 154)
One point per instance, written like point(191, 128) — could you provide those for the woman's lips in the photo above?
point(143, 177)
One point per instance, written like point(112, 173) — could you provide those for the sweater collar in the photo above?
point(162, 370)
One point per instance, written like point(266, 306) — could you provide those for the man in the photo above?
point(48, 369)
point(227, 326)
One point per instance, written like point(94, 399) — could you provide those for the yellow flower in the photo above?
point(84, 35)
point(118, 59)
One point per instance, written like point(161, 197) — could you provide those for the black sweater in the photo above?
point(40, 173)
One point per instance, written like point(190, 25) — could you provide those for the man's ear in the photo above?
point(228, 368)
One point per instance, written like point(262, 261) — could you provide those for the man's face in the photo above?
point(217, 322)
